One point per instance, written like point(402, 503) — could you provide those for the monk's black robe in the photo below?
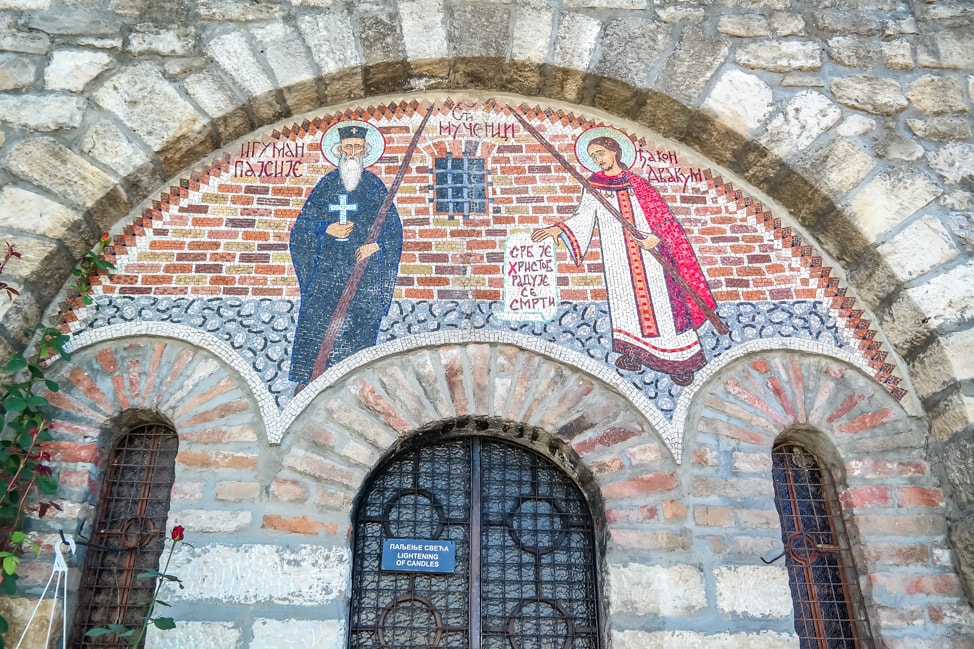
point(324, 265)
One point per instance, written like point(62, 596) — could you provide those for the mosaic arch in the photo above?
point(329, 241)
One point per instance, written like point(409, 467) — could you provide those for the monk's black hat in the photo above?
point(356, 131)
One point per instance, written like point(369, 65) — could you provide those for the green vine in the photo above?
point(27, 483)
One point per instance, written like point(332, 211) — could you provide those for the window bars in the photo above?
point(829, 610)
point(460, 186)
point(128, 537)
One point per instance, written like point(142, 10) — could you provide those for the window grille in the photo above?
point(829, 610)
point(525, 555)
point(460, 186)
point(128, 536)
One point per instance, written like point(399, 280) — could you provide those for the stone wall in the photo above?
point(854, 116)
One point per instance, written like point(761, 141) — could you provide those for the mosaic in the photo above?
point(378, 223)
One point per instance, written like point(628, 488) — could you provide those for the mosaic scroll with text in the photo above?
point(317, 242)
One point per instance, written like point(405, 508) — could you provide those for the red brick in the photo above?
point(654, 482)
point(297, 525)
point(642, 513)
point(288, 490)
point(217, 460)
point(919, 497)
point(609, 437)
point(870, 496)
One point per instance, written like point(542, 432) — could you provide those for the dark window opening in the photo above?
point(829, 610)
point(525, 574)
point(128, 536)
point(460, 186)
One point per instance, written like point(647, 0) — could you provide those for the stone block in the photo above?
point(575, 41)
point(296, 575)
point(147, 39)
point(893, 146)
point(533, 24)
point(155, 110)
point(32, 213)
point(656, 590)
point(946, 50)
point(77, 181)
point(787, 24)
point(17, 71)
point(836, 166)
point(17, 612)
point(699, 640)
point(753, 591)
point(237, 490)
point(954, 162)
point(675, 14)
point(109, 145)
point(854, 52)
point(944, 128)
point(949, 360)
point(937, 95)
point(43, 266)
point(72, 23)
point(42, 112)
point(218, 99)
point(210, 521)
point(423, 29)
point(481, 31)
point(877, 95)
point(855, 125)
point(285, 634)
point(383, 49)
point(890, 198)
point(73, 70)
point(780, 56)
point(898, 55)
point(26, 42)
point(284, 52)
point(233, 53)
point(918, 248)
point(842, 22)
point(631, 50)
point(607, 4)
point(806, 116)
point(743, 25)
point(331, 39)
point(694, 61)
point(198, 635)
point(739, 101)
point(961, 224)
point(236, 12)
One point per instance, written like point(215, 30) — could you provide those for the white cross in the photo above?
point(344, 207)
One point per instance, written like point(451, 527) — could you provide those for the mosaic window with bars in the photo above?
point(460, 186)
point(525, 555)
point(829, 610)
point(128, 536)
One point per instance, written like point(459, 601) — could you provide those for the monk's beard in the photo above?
point(350, 170)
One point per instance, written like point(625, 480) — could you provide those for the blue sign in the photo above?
point(419, 555)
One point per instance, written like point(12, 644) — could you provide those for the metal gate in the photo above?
point(525, 561)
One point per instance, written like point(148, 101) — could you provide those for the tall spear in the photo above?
point(668, 268)
point(341, 310)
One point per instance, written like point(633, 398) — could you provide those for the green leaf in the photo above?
point(17, 537)
point(16, 362)
point(9, 585)
point(164, 623)
point(77, 272)
point(35, 401)
point(35, 370)
point(159, 602)
point(148, 574)
point(10, 564)
point(14, 404)
point(4, 627)
point(52, 385)
point(47, 485)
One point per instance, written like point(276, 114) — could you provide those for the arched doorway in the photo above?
point(520, 533)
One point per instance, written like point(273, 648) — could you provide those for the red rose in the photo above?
point(177, 533)
point(105, 237)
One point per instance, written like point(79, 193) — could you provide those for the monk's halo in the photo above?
point(581, 146)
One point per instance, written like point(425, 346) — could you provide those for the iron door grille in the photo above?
point(129, 535)
point(525, 566)
point(829, 610)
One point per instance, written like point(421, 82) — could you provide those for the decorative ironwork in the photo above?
point(129, 535)
point(829, 611)
point(460, 185)
point(525, 561)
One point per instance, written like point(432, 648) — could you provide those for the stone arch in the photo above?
point(875, 451)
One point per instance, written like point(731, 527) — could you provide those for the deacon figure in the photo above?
point(328, 239)
point(654, 321)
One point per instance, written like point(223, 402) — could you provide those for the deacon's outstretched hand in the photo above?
point(648, 242)
point(542, 233)
point(339, 231)
point(366, 251)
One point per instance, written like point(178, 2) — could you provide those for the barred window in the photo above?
point(524, 574)
point(460, 186)
point(128, 536)
point(829, 610)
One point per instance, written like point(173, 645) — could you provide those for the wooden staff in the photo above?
point(341, 310)
point(668, 268)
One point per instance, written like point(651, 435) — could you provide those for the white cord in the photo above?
point(61, 570)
